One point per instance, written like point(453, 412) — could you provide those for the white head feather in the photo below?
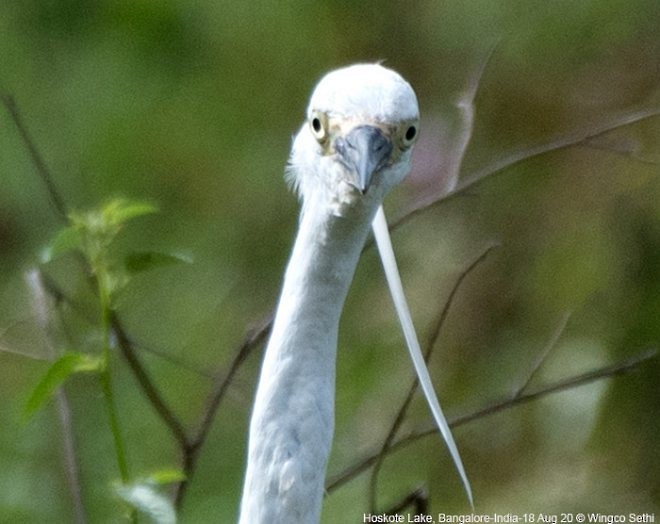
point(345, 99)
point(367, 91)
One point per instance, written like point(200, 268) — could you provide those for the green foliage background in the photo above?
point(192, 104)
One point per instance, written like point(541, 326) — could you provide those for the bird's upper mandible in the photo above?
point(361, 123)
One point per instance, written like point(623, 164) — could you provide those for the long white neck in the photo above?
point(292, 422)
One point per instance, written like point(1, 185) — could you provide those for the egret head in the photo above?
point(362, 121)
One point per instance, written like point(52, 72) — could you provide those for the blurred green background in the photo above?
point(192, 104)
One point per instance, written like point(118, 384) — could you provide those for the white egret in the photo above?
point(353, 148)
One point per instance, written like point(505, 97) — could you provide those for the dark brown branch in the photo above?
point(418, 499)
point(125, 344)
point(60, 296)
point(37, 159)
point(192, 446)
point(432, 342)
point(620, 368)
point(87, 315)
point(253, 339)
point(256, 337)
point(552, 343)
point(179, 362)
point(147, 384)
point(573, 139)
point(126, 347)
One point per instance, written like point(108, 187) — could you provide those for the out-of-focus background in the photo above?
point(192, 104)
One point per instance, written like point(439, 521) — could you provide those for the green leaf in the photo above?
point(58, 372)
point(120, 210)
point(146, 499)
point(66, 239)
point(145, 260)
point(165, 476)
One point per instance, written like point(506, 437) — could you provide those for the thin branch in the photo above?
point(84, 311)
point(418, 499)
point(572, 139)
point(38, 161)
point(189, 446)
point(60, 296)
point(43, 312)
point(552, 343)
point(126, 346)
point(253, 339)
point(620, 368)
point(13, 351)
point(147, 384)
point(192, 446)
point(435, 334)
point(4, 330)
point(182, 363)
point(569, 140)
point(70, 456)
point(256, 337)
point(466, 109)
point(19, 353)
point(433, 339)
point(625, 152)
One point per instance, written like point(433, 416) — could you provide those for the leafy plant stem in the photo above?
point(106, 378)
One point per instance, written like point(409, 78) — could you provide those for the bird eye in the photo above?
point(410, 135)
point(318, 127)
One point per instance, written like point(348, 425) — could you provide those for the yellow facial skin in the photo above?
point(326, 128)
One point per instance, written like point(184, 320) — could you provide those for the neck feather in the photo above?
point(292, 422)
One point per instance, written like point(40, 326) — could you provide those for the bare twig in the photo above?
point(418, 499)
point(70, 456)
point(572, 139)
point(466, 109)
point(189, 365)
point(433, 339)
point(37, 159)
point(544, 354)
point(621, 151)
point(256, 337)
point(86, 314)
point(191, 446)
point(569, 140)
point(43, 314)
point(13, 351)
point(253, 339)
point(18, 352)
point(127, 348)
point(147, 384)
point(60, 296)
point(620, 368)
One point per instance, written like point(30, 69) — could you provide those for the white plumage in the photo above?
point(354, 147)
